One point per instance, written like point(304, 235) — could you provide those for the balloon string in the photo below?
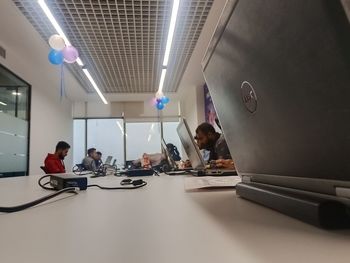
point(62, 88)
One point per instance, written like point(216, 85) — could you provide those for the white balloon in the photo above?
point(56, 42)
point(159, 95)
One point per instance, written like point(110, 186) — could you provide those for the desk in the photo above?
point(160, 223)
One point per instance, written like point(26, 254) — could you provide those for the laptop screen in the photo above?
point(168, 155)
point(108, 160)
point(190, 145)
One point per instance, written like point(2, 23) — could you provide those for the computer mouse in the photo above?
point(125, 181)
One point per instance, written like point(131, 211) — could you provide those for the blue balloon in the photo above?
point(165, 100)
point(56, 57)
point(160, 105)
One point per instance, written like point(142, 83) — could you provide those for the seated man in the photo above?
point(54, 162)
point(98, 161)
point(89, 161)
point(208, 139)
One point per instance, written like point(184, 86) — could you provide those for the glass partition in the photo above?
point(14, 124)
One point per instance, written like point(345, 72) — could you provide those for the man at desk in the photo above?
point(89, 162)
point(207, 138)
point(54, 162)
point(98, 161)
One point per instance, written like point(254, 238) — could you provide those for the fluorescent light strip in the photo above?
point(161, 82)
point(93, 83)
point(53, 21)
point(80, 63)
point(61, 33)
point(3, 103)
point(171, 31)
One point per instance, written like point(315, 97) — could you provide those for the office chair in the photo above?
point(43, 168)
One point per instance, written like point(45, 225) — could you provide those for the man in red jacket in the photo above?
point(54, 162)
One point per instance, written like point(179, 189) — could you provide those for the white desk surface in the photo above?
point(160, 223)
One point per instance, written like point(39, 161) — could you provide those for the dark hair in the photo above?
point(173, 152)
point(99, 153)
point(205, 128)
point(61, 145)
point(91, 150)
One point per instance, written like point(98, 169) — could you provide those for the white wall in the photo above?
point(191, 91)
point(192, 107)
point(51, 119)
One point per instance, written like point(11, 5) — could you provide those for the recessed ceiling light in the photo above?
point(93, 83)
point(16, 93)
point(3, 103)
point(171, 31)
point(169, 42)
point(161, 82)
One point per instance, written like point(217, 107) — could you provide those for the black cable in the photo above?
point(118, 188)
point(11, 209)
point(43, 185)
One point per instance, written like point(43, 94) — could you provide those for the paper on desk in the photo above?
point(192, 183)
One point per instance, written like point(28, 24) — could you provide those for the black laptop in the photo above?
point(279, 75)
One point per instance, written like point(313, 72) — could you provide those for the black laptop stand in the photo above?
point(314, 210)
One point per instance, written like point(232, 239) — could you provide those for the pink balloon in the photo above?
point(70, 54)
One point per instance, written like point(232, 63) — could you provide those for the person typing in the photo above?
point(54, 162)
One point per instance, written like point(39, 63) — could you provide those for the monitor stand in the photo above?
point(309, 208)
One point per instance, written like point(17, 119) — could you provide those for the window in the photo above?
point(14, 124)
point(142, 138)
point(106, 135)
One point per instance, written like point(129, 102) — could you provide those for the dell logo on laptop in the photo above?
point(249, 97)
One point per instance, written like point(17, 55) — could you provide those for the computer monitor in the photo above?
point(190, 146)
point(279, 76)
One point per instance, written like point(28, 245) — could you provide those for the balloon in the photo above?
point(56, 42)
point(159, 95)
point(154, 102)
point(165, 100)
point(160, 105)
point(70, 54)
point(55, 57)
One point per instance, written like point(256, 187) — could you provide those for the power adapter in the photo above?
point(59, 182)
point(138, 172)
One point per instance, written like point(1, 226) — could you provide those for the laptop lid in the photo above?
point(279, 76)
point(190, 145)
point(108, 160)
point(168, 155)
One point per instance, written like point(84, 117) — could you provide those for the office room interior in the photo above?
point(128, 78)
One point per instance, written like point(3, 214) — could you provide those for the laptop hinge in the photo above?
point(246, 179)
point(342, 192)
